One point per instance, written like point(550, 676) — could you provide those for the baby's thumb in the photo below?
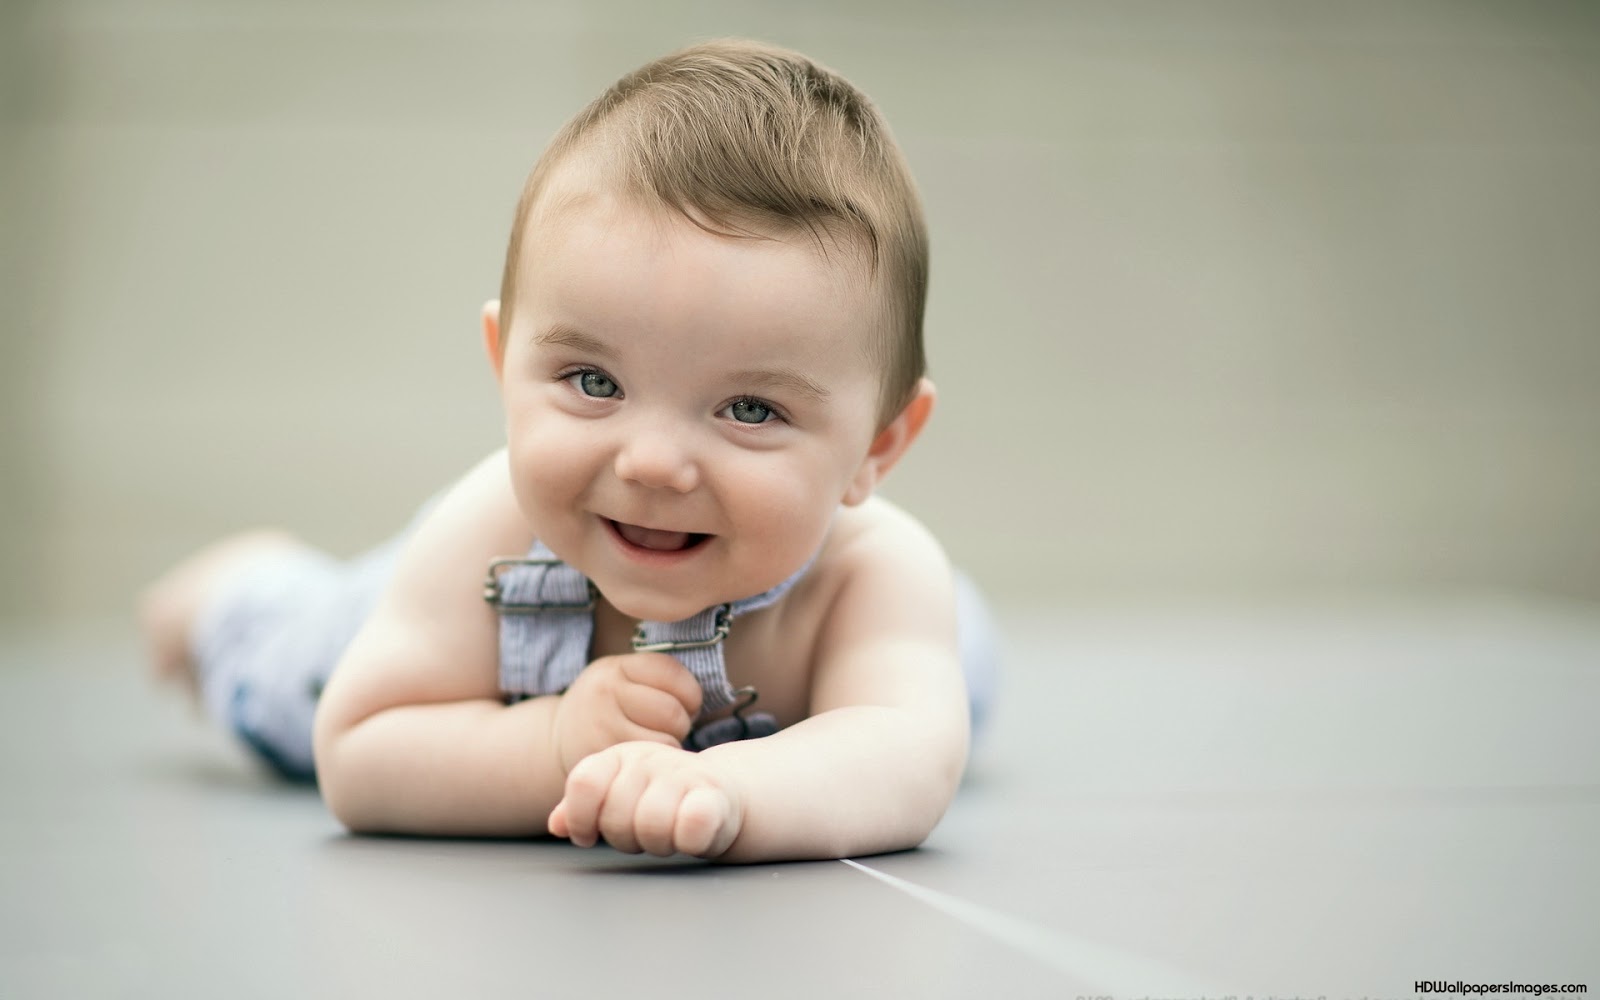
point(665, 673)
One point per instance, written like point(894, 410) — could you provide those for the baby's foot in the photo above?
point(169, 606)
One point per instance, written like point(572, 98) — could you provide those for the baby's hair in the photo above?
point(739, 137)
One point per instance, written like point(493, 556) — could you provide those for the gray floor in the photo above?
point(1335, 800)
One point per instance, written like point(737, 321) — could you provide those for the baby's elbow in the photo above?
point(937, 803)
point(947, 765)
point(344, 797)
point(906, 831)
point(948, 759)
point(334, 780)
point(335, 793)
point(929, 789)
point(343, 810)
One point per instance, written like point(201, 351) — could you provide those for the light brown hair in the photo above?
point(742, 137)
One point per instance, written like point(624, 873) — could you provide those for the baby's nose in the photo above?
point(655, 457)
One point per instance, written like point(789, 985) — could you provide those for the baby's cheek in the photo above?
point(786, 522)
point(546, 475)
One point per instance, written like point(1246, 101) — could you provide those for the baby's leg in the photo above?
point(255, 625)
point(169, 606)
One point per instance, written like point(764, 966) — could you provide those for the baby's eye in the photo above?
point(750, 411)
point(596, 384)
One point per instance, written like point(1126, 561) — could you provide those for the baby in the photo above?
point(670, 613)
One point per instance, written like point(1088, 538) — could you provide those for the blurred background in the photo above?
point(1242, 298)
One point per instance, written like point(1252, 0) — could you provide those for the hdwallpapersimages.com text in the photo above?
point(1424, 988)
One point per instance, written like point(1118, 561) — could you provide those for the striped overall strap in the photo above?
point(546, 613)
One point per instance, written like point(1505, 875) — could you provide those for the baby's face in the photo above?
point(684, 411)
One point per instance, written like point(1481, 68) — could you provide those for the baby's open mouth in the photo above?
point(656, 539)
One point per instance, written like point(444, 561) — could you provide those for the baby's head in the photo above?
point(754, 141)
point(709, 335)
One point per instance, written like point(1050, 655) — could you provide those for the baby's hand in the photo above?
point(648, 797)
point(618, 699)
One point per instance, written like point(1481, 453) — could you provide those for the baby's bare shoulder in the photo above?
point(474, 521)
point(432, 637)
point(882, 568)
point(888, 635)
point(880, 536)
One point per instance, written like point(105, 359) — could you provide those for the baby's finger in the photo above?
point(655, 710)
point(657, 815)
point(557, 823)
point(586, 790)
point(704, 826)
point(662, 672)
point(616, 813)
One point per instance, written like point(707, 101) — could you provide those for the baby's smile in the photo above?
point(655, 539)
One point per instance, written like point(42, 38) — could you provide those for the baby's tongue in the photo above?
point(650, 538)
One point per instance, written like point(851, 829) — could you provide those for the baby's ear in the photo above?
point(491, 336)
point(891, 443)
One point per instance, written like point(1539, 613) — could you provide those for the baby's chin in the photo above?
point(665, 604)
point(655, 606)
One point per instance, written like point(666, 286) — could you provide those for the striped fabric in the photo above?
point(547, 623)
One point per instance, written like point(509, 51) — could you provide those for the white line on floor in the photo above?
point(1118, 973)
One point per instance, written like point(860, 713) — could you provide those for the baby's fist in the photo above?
point(648, 797)
point(617, 699)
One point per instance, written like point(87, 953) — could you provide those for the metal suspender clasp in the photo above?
point(724, 625)
point(496, 596)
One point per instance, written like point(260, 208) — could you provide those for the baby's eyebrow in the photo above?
point(561, 335)
point(769, 379)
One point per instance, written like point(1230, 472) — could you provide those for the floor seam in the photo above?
point(1116, 972)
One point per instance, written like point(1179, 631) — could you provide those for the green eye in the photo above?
point(596, 384)
point(750, 411)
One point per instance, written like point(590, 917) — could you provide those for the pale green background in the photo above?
point(1260, 298)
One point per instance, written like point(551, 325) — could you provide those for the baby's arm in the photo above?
point(411, 734)
point(873, 769)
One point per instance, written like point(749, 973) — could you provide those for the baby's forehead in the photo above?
point(590, 208)
point(586, 180)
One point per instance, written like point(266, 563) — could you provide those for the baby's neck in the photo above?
point(613, 630)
